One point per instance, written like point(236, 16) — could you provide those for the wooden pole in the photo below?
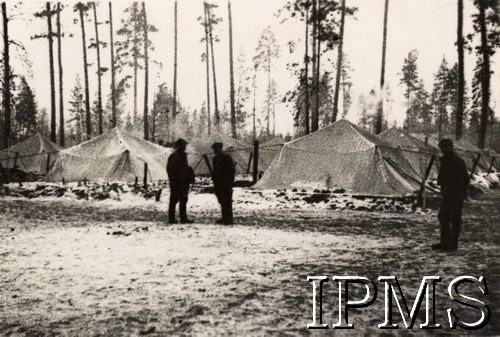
point(490, 169)
point(424, 179)
point(145, 176)
point(47, 165)
point(16, 156)
point(474, 166)
point(255, 161)
point(205, 157)
point(249, 163)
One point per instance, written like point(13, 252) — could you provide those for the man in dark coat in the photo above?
point(453, 180)
point(223, 177)
point(180, 175)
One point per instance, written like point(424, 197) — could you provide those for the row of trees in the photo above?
point(128, 54)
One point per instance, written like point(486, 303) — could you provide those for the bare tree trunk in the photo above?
point(99, 84)
point(231, 73)
point(340, 57)
point(50, 37)
point(306, 79)
point(254, 126)
point(461, 76)
point(380, 106)
point(315, 120)
point(6, 78)
point(146, 72)
point(485, 78)
point(314, 59)
point(135, 67)
point(216, 100)
point(113, 70)
point(86, 77)
point(174, 102)
point(207, 59)
point(61, 91)
point(268, 129)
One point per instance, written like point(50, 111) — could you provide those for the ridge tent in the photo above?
point(116, 155)
point(414, 150)
point(267, 151)
point(239, 151)
point(344, 156)
point(32, 155)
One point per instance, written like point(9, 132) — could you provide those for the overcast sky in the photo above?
point(426, 25)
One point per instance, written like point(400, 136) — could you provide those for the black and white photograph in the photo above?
point(250, 168)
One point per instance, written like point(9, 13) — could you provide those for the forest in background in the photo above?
point(321, 96)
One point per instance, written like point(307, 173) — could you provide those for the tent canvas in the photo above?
point(415, 151)
point(32, 155)
point(239, 151)
point(267, 151)
point(116, 155)
point(344, 156)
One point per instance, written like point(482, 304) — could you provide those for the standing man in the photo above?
point(223, 177)
point(453, 179)
point(180, 175)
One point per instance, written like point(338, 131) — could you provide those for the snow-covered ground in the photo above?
point(86, 268)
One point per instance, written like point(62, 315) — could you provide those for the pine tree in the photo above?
point(231, 74)
point(47, 14)
point(100, 70)
point(380, 107)
point(267, 50)
point(82, 10)
point(114, 116)
point(26, 111)
point(6, 80)
point(440, 97)
point(77, 118)
point(339, 65)
point(409, 79)
point(60, 68)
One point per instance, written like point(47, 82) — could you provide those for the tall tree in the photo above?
point(129, 49)
point(53, 137)
point(461, 76)
point(113, 68)
point(231, 73)
point(212, 21)
point(380, 107)
point(317, 84)
point(47, 14)
point(267, 50)
point(174, 101)
point(306, 71)
point(339, 65)
point(60, 67)
point(26, 111)
point(207, 61)
point(440, 97)
point(146, 71)
point(489, 41)
point(6, 79)
point(82, 10)
point(409, 79)
point(243, 90)
point(97, 46)
point(76, 121)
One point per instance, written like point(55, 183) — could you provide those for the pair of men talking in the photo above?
point(181, 176)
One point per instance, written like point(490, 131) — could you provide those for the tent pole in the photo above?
point(255, 161)
point(145, 175)
point(474, 166)
point(420, 200)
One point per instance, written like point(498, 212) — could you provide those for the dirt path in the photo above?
point(63, 271)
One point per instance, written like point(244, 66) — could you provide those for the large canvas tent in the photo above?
point(341, 155)
point(467, 151)
point(116, 155)
point(34, 155)
point(239, 151)
point(415, 151)
point(267, 151)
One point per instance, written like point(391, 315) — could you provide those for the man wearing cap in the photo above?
point(180, 175)
point(223, 177)
point(453, 180)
